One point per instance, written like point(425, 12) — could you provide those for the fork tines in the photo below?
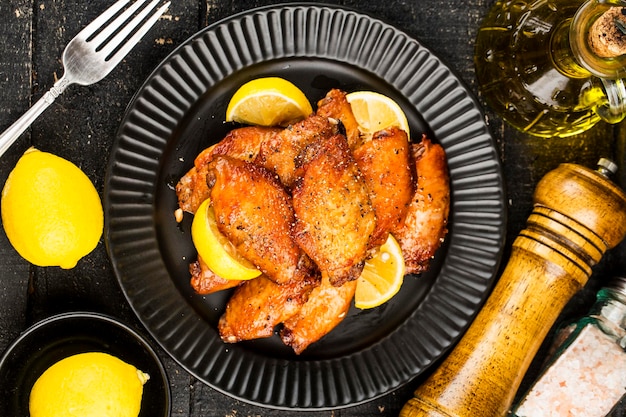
point(115, 32)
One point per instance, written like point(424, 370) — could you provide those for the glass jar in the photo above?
point(586, 376)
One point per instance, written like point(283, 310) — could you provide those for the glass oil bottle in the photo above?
point(537, 70)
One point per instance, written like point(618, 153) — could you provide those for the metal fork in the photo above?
point(91, 55)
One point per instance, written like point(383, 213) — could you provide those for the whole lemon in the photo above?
point(51, 211)
point(92, 384)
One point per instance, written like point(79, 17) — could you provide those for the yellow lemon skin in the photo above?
point(268, 101)
point(382, 276)
point(216, 250)
point(51, 211)
point(374, 112)
point(90, 384)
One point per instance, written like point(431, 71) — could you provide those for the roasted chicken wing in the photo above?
point(192, 189)
point(279, 153)
point(254, 212)
point(334, 214)
point(425, 225)
point(326, 307)
point(205, 281)
point(258, 306)
point(242, 143)
point(385, 162)
point(336, 106)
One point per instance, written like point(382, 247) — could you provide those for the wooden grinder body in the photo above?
point(578, 214)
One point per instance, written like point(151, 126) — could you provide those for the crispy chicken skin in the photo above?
point(336, 106)
point(192, 189)
point(384, 162)
point(334, 215)
point(204, 281)
point(242, 143)
point(279, 153)
point(254, 212)
point(326, 307)
point(425, 225)
point(259, 305)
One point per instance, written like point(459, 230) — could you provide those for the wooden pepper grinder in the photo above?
point(578, 215)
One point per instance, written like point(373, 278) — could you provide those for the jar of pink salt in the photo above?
point(586, 376)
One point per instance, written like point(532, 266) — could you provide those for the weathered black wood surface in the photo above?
point(81, 125)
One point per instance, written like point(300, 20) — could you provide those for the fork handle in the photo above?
point(20, 125)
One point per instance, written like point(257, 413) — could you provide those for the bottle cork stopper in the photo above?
point(607, 36)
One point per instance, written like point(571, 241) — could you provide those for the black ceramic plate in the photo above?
point(58, 337)
point(180, 110)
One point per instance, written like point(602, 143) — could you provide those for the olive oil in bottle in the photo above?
point(536, 70)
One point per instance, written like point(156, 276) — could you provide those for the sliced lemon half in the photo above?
point(374, 112)
point(269, 101)
point(382, 276)
point(216, 250)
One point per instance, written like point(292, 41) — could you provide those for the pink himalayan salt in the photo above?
point(587, 380)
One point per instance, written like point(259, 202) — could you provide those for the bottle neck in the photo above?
point(597, 38)
point(563, 57)
point(572, 57)
point(606, 62)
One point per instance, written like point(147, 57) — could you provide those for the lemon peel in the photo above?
point(92, 384)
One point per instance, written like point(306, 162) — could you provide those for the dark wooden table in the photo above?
point(82, 123)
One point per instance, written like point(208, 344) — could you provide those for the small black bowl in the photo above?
point(58, 337)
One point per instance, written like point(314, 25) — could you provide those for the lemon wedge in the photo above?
point(374, 112)
point(216, 250)
point(382, 276)
point(269, 101)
